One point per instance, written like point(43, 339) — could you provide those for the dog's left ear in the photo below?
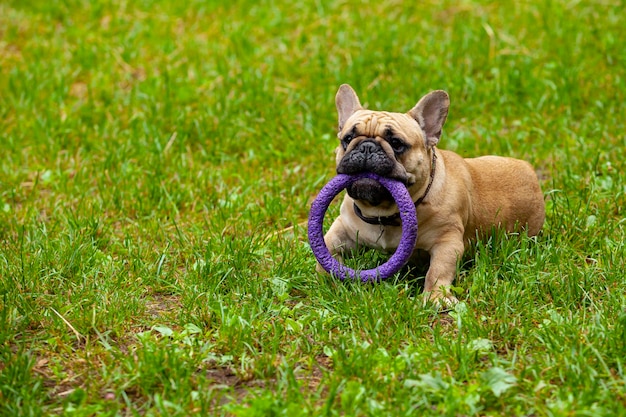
point(347, 103)
point(430, 113)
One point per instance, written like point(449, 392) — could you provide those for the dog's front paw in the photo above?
point(320, 269)
point(441, 298)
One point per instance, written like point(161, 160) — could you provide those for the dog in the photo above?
point(458, 200)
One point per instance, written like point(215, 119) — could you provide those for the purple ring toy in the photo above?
point(408, 216)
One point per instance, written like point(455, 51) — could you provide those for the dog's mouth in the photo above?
point(370, 190)
point(367, 189)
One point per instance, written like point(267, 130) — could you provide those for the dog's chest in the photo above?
point(387, 238)
point(383, 238)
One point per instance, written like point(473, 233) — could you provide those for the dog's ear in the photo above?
point(347, 103)
point(430, 113)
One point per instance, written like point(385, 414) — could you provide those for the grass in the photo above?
point(157, 162)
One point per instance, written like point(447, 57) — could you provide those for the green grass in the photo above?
point(157, 162)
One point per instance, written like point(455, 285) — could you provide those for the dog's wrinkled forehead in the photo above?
point(379, 123)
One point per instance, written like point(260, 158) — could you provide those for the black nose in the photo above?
point(368, 147)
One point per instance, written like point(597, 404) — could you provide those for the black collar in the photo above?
point(394, 219)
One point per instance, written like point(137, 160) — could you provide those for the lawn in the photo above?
point(157, 164)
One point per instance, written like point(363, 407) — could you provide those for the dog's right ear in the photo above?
point(347, 103)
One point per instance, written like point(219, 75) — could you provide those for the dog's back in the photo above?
point(506, 192)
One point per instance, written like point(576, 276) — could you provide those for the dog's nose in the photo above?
point(368, 147)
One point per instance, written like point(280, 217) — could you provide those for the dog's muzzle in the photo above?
point(369, 156)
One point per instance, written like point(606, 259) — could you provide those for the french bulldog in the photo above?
point(457, 199)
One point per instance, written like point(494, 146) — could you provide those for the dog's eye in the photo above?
point(398, 145)
point(346, 140)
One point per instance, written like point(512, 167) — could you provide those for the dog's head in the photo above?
point(392, 145)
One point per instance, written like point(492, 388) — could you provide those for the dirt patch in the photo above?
point(61, 383)
point(160, 305)
point(322, 363)
point(443, 320)
point(223, 376)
